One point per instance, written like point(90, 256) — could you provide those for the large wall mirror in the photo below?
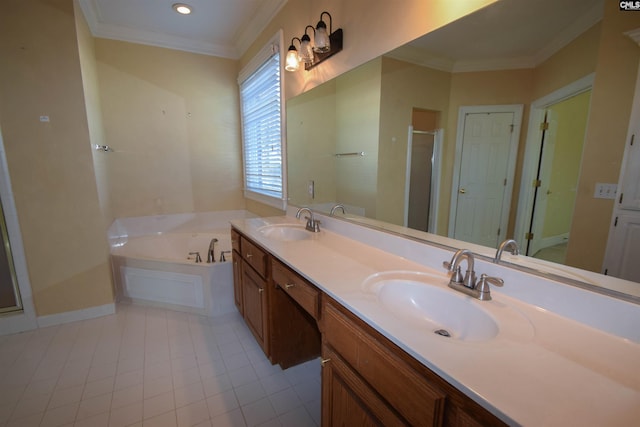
point(488, 128)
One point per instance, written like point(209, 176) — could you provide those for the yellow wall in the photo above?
point(570, 125)
point(50, 163)
point(172, 118)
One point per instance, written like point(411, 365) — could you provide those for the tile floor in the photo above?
point(147, 366)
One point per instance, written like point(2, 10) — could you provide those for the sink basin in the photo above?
point(285, 232)
point(423, 301)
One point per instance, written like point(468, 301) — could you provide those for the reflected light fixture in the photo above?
point(181, 8)
point(322, 44)
point(292, 61)
point(306, 51)
point(325, 44)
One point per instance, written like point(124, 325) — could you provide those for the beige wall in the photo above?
point(611, 99)
point(50, 163)
point(172, 118)
point(404, 87)
point(357, 118)
point(318, 133)
point(370, 29)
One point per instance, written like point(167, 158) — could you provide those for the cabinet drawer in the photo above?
point(304, 293)
point(235, 240)
point(409, 393)
point(254, 256)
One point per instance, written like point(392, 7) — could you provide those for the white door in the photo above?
point(544, 178)
point(622, 256)
point(483, 177)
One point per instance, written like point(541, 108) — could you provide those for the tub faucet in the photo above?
point(507, 244)
point(312, 223)
point(335, 208)
point(223, 258)
point(211, 256)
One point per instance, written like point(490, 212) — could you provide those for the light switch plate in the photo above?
point(605, 191)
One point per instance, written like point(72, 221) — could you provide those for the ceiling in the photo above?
point(224, 28)
point(506, 34)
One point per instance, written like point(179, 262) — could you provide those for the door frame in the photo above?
point(532, 150)
point(517, 110)
point(434, 201)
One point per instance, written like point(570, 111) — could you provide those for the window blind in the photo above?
point(261, 107)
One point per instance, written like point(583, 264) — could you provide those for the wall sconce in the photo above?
point(325, 44)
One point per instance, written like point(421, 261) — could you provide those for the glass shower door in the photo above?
point(9, 293)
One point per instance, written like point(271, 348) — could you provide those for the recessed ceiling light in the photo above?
point(181, 8)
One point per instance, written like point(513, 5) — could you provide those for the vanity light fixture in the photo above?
point(181, 8)
point(292, 61)
point(325, 44)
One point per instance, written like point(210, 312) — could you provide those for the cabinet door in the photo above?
point(254, 297)
point(237, 281)
point(349, 401)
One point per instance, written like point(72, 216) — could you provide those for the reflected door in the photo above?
point(483, 177)
point(420, 176)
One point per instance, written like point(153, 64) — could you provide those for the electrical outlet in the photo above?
point(311, 188)
point(605, 191)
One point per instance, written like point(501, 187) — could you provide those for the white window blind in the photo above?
point(261, 107)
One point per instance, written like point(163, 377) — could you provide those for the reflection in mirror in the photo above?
point(368, 137)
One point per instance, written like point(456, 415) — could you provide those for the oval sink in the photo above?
point(425, 302)
point(285, 232)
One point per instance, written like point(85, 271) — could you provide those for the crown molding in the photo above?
point(258, 23)
point(247, 35)
point(634, 35)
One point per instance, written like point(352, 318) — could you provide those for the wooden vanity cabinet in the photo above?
point(368, 380)
point(295, 303)
point(252, 289)
point(237, 270)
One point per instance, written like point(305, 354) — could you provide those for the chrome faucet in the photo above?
point(467, 284)
point(453, 266)
point(335, 208)
point(312, 223)
point(211, 256)
point(507, 244)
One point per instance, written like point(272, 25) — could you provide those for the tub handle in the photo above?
point(197, 254)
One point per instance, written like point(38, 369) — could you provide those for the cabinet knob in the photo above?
point(260, 290)
point(324, 362)
point(249, 255)
point(289, 285)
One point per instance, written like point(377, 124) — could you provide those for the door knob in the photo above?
point(462, 191)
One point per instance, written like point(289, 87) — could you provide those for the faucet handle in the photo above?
point(483, 286)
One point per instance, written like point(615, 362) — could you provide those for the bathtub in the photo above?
point(157, 270)
point(151, 262)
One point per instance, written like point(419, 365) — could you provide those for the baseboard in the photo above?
point(72, 316)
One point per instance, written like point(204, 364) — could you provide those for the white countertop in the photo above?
point(543, 368)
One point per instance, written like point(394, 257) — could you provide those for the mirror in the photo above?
point(348, 139)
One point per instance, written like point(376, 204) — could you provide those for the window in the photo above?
point(262, 126)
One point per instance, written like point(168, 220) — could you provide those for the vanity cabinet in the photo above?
point(237, 270)
point(251, 290)
point(368, 380)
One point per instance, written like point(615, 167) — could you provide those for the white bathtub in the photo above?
point(158, 270)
